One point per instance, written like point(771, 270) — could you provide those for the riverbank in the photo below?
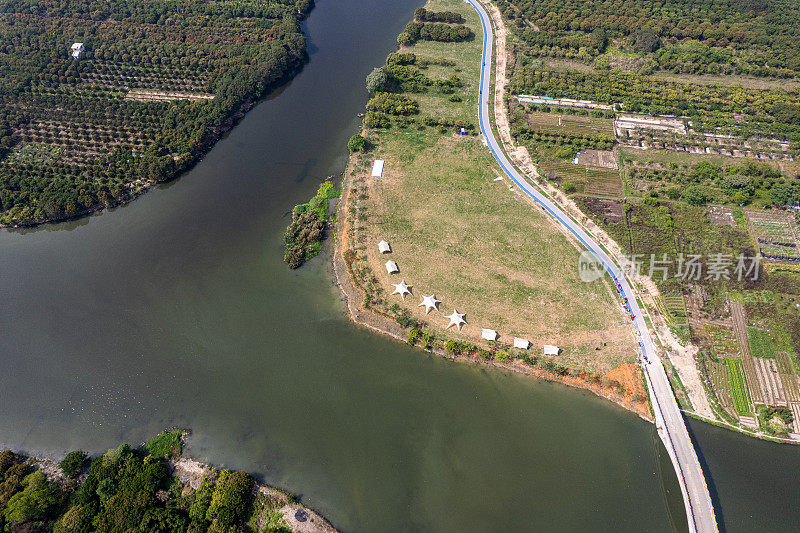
point(457, 231)
point(151, 487)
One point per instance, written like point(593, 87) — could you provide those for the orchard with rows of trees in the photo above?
point(70, 141)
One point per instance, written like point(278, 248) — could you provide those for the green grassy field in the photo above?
point(741, 399)
point(481, 248)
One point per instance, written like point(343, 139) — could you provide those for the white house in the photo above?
point(489, 334)
point(77, 48)
point(521, 343)
point(549, 349)
point(391, 267)
point(384, 247)
point(377, 168)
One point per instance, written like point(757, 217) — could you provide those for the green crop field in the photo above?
point(741, 399)
point(761, 343)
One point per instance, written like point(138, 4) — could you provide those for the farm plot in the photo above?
point(722, 338)
point(608, 211)
point(591, 180)
point(720, 381)
point(676, 306)
point(788, 376)
point(769, 381)
point(775, 234)
point(762, 343)
point(741, 399)
point(557, 124)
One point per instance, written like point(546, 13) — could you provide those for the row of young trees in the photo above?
point(434, 31)
point(423, 15)
point(725, 37)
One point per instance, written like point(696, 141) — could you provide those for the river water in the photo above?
point(177, 310)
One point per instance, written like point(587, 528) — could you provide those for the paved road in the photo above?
point(669, 421)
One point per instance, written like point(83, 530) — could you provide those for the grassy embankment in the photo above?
point(479, 247)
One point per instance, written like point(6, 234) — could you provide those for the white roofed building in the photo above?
point(391, 267)
point(377, 168)
point(384, 247)
point(76, 49)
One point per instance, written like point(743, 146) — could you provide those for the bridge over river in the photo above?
point(669, 421)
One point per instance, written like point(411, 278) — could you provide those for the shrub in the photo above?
point(393, 104)
point(35, 501)
point(231, 499)
point(413, 334)
point(356, 143)
point(458, 348)
point(73, 463)
point(377, 80)
point(169, 444)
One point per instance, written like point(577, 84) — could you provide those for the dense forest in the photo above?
point(131, 489)
point(155, 85)
point(752, 37)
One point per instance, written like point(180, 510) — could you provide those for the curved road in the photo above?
point(669, 421)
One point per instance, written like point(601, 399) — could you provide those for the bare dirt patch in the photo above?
point(599, 158)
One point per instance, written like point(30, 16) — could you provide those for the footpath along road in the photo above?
point(669, 421)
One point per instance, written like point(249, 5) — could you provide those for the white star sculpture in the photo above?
point(430, 302)
point(456, 319)
point(402, 289)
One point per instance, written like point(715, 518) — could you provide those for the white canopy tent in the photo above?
point(489, 334)
point(391, 267)
point(402, 289)
point(377, 168)
point(430, 302)
point(456, 319)
point(549, 349)
point(521, 343)
point(384, 247)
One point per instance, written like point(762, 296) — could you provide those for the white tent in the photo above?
point(521, 343)
point(377, 168)
point(430, 302)
point(402, 289)
point(489, 334)
point(456, 319)
point(384, 247)
point(391, 267)
point(549, 349)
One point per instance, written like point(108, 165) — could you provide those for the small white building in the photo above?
point(521, 343)
point(489, 334)
point(549, 349)
point(77, 48)
point(384, 247)
point(377, 168)
point(391, 267)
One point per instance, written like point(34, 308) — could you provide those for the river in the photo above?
point(177, 310)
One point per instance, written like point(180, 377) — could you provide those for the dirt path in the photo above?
point(682, 357)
